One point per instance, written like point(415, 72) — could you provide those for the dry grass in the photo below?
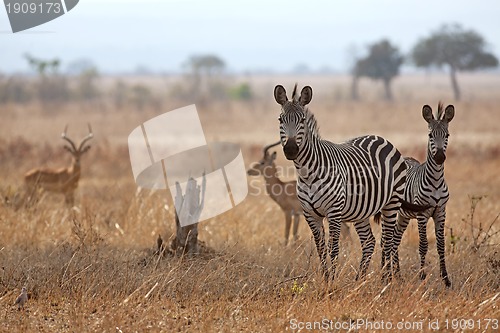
point(93, 268)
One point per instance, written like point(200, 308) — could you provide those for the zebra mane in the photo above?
point(295, 98)
point(312, 123)
point(440, 112)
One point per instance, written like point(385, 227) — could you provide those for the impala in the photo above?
point(62, 180)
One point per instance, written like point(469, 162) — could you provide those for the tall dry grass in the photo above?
point(93, 267)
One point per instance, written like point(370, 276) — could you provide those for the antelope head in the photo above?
point(77, 151)
point(266, 161)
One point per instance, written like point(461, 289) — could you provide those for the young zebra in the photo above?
point(346, 182)
point(425, 185)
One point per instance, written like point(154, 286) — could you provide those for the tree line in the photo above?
point(450, 46)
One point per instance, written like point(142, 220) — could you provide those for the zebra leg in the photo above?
point(389, 216)
point(382, 257)
point(364, 231)
point(439, 219)
point(296, 218)
point(316, 226)
point(288, 222)
point(423, 244)
point(334, 226)
point(398, 234)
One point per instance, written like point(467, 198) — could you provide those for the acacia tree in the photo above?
point(202, 68)
point(205, 64)
point(381, 63)
point(459, 49)
point(51, 87)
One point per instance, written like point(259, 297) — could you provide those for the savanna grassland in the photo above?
point(93, 267)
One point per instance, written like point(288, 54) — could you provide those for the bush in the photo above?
point(241, 92)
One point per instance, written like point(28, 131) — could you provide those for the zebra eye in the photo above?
point(430, 135)
point(280, 119)
point(447, 135)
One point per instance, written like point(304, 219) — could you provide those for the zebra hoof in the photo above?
point(387, 277)
point(447, 282)
point(422, 275)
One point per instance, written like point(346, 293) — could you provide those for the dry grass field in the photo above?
point(93, 268)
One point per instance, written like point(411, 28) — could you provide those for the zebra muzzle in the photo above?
point(291, 149)
point(439, 157)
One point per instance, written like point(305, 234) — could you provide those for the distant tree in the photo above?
point(202, 68)
point(205, 64)
point(459, 49)
point(43, 67)
point(381, 63)
point(51, 86)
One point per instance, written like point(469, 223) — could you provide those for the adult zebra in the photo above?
point(346, 182)
point(426, 186)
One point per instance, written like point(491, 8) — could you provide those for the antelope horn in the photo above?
point(266, 148)
point(64, 137)
point(87, 138)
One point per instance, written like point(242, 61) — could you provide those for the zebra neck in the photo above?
point(307, 160)
point(436, 171)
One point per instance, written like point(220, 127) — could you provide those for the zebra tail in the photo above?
point(377, 217)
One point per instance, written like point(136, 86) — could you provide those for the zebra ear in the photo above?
point(305, 96)
point(449, 113)
point(280, 95)
point(427, 113)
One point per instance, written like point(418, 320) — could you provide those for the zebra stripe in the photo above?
point(426, 185)
point(346, 182)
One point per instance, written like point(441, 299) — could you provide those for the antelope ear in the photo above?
point(273, 156)
point(449, 113)
point(305, 95)
point(427, 113)
point(280, 95)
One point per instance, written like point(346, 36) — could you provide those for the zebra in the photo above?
point(346, 182)
point(426, 185)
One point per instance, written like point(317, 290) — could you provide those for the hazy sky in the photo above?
point(249, 34)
